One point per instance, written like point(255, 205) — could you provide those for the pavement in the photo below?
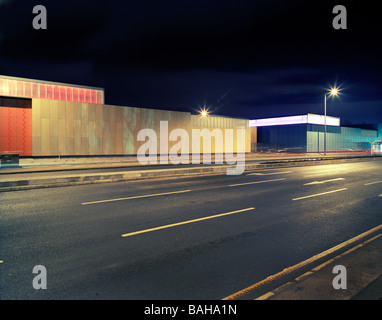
point(35, 173)
point(361, 272)
point(349, 271)
point(313, 279)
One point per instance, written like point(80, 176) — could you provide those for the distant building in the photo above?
point(306, 133)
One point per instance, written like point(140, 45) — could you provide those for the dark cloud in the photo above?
point(242, 58)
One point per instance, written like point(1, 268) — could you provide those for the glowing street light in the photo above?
point(203, 113)
point(332, 92)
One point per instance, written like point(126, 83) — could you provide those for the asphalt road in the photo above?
point(204, 237)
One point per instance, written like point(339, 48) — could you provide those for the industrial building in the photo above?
point(306, 133)
point(43, 118)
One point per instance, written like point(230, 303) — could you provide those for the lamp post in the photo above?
point(332, 92)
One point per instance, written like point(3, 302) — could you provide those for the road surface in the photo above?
point(202, 237)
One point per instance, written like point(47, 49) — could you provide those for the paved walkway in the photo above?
point(49, 164)
point(359, 267)
point(51, 172)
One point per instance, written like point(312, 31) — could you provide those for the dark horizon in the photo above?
point(248, 59)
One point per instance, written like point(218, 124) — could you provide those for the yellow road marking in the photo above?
point(254, 182)
point(367, 184)
point(320, 182)
point(136, 197)
point(185, 222)
point(306, 262)
point(319, 194)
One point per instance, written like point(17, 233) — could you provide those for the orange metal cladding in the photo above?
point(30, 89)
point(16, 130)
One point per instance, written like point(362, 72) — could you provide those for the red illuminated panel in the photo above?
point(35, 92)
point(49, 91)
point(75, 94)
point(93, 96)
point(63, 92)
point(56, 93)
point(69, 94)
point(16, 130)
point(3, 122)
point(43, 91)
point(19, 89)
point(30, 89)
point(86, 95)
point(81, 95)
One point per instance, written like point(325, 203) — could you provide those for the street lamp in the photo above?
point(332, 92)
point(203, 113)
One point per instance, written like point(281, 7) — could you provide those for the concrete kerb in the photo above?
point(304, 269)
point(61, 181)
point(81, 179)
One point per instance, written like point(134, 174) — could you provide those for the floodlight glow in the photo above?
point(334, 91)
point(303, 119)
point(204, 112)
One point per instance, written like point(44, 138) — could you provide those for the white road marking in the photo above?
point(185, 222)
point(174, 192)
point(319, 194)
point(255, 182)
point(136, 197)
point(325, 181)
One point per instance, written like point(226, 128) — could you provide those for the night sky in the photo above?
point(250, 59)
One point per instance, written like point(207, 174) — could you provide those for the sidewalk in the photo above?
point(360, 269)
point(363, 270)
point(56, 172)
point(64, 163)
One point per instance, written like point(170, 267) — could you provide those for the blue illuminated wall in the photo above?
point(310, 138)
point(282, 138)
point(339, 138)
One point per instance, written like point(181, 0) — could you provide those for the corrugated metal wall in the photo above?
point(222, 123)
point(339, 138)
point(198, 121)
point(75, 128)
point(310, 138)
